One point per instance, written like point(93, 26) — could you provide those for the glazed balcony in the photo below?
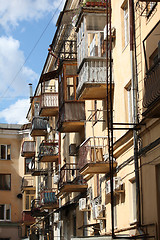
point(48, 151)
point(28, 182)
point(48, 199)
point(151, 99)
point(39, 126)
point(71, 117)
point(28, 149)
point(49, 104)
point(27, 218)
point(92, 79)
point(93, 157)
point(71, 180)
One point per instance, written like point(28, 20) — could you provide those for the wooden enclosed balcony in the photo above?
point(48, 199)
point(48, 104)
point(71, 117)
point(39, 126)
point(151, 99)
point(92, 79)
point(93, 157)
point(28, 149)
point(48, 151)
point(71, 180)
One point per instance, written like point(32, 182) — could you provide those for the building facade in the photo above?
point(95, 124)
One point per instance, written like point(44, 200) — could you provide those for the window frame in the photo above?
point(6, 220)
point(7, 146)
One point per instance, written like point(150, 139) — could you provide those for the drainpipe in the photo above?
point(135, 118)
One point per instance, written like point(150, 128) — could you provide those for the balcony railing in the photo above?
point(28, 182)
point(36, 209)
point(92, 79)
point(39, 126)
point(48, 197)
point(152, 89)
point(69, 50)
point(93, 156)
point(70, 179)
point(71, 117)
point(94, 149)
point(49, 104)
point(48, 151)
point(28, 149)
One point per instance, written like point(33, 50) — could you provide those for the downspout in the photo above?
point(134, 83)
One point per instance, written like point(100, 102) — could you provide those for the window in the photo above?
point(70, 88)
point(129, 102)
point(28, 164)
point(5, 152)
point(5, 212)
point(5, 182)
point(29, 197)
point(125, 24)
point(133, 204)
point(115, 211)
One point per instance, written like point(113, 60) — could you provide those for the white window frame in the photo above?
point(6, 150)
point(133, 214)
point(6, 220)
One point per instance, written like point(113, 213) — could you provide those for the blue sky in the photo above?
point(21, 24)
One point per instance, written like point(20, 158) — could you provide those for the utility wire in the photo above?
point(32, 50)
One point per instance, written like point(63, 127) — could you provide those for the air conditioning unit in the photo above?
point(82, 204)
point(56, 217)
point(94, 211)
point(108, 187)
point(99, 211)
point(117, 182)
point(55, 179)
point(102, 224)
point(72, 149)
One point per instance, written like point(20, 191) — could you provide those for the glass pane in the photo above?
point(8, 152)
point(8, 212)
point(28, 162)
point(93, 44)
point(27, 202)
point(7, 182)
point(70, 89)
point(1, 212)
point(102, 44)
point(3, 151)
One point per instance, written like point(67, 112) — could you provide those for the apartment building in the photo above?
point(95, 123)
point(10, 182)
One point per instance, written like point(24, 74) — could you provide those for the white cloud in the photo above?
point(14, 11)
point(16, 113)
point(14, 78)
